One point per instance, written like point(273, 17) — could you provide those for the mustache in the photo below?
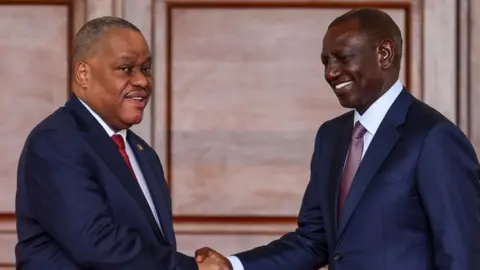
point(139, 91)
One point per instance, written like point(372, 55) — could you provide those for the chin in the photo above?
point(133, 119)
point(348, 100)
point(346, 103)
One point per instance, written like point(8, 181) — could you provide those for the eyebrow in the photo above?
point(131, 58)
point(149, 59)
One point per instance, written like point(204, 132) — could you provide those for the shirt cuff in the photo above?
point(236, 263)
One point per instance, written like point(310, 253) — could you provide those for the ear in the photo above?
point(386, 53)
point(82, 74)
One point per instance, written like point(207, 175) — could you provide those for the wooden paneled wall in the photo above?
point(239, 95)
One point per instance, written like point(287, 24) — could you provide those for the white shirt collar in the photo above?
point(107, 128)
point(374, 115)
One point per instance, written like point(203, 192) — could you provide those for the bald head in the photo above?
point(87, 38)
point(377, 25)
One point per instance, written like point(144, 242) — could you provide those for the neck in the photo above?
point(387, 84)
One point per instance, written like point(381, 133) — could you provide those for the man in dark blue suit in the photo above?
point(91, 194)
point(394, 184)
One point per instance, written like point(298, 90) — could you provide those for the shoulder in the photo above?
point(58, 130)
point(332, 126)
point(435, 130)
point(424, 114)
point(61, 119)
point(426, 121)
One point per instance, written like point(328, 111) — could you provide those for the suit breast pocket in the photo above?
point(388, 177)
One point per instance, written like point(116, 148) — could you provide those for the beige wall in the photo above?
point(239, 94)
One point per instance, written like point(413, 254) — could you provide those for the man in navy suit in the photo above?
point(91, 194)
point(394, 184)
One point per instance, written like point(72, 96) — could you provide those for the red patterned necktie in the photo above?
point(118, 140)
point(351, 164)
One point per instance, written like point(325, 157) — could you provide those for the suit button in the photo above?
point(337, 257)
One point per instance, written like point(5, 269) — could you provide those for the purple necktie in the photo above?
point(351, 164)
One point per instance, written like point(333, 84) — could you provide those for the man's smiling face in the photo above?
point(352, 66)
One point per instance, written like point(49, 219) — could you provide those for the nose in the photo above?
point(139, 79)
point(332, 71)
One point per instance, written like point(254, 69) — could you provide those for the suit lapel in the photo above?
point(380, 147)
point(104, 146)
point(339, 148)
point(382, 143)
point(159, 194)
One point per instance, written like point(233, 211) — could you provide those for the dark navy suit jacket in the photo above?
point(414, 203)
point(78, 206)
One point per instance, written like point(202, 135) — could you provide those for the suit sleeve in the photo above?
point(306, 248)
point(448, 180)
point(69, 204)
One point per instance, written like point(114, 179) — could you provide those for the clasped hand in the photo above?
point(209, 259)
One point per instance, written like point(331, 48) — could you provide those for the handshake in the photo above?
point(209, 259)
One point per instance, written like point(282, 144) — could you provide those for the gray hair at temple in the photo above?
point(86, 39)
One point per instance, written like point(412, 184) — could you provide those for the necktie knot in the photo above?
point(358, 130)
point(118, 140)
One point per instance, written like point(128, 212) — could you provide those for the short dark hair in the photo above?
point(87, 37)
point(376, 24)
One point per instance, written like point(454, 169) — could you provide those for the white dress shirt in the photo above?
point(373, 117)
point(371, 120)
point(133, 161)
